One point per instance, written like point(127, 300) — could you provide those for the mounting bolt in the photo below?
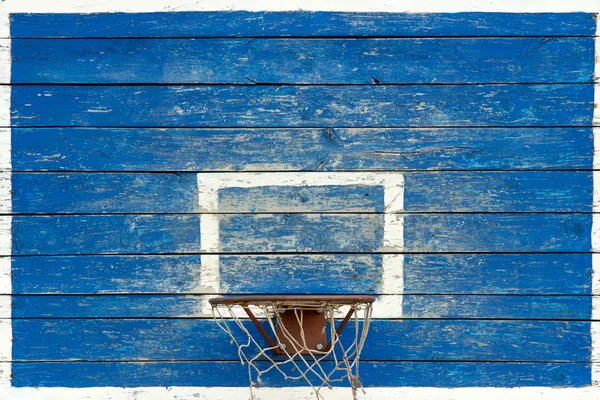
point(282, 346)
point(319, 346)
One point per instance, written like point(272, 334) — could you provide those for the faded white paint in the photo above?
point(5, 208)
point(4, 61)
point(209, 185)
point(301, 393)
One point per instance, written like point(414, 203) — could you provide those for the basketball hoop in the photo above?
point(299, 336)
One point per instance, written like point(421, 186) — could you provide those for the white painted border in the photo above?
point(158, 393)
point(209, 184)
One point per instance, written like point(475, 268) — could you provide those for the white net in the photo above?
point(286, 347)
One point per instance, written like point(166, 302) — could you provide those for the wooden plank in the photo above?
point(413, 306)
point(92, 149)
point(299, 23)
point(202, 339)
point(498, 273)
point(500, 232)
point(422, 233)
point(536, 274)
point(303, 106)
point(373, 373)
point(497, 192)
point(303, 233)
point(104, 193)
point(303, 61)
point(52, 193)
point(119, 234)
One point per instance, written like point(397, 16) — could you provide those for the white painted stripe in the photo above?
point(5, 61)
point(5, 208)
point(210, 183)
point(209, 233)
point(299, 393)
point(5, 146)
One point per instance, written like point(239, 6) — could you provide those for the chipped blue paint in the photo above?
point(304, 149)
point(298, 23)
point(303, 106)
point(488, 116)
point(193, 339)
point(376, 373)
point(306, 61)
point(306, 273)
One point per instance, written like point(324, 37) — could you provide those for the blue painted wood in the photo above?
point(496, 307)
point(498, 192)
point(425, 192)
point(532, 284)
point(498, 232)
point(372, 373)
point(311, 233)
point(51, 193)
point(309, 273)
point(106, 274)
point(413, 306)
point(498, 273)
point(120, 234)
point(92, 149)
point(303, 106)
point(306, 61)
point(303, 233)
point(422, 233)
point(299, 23)
point(104, 193)
point(194, 339)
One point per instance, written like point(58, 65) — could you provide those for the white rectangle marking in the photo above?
point(209, 185)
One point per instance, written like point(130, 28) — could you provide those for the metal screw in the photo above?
point(319, 346)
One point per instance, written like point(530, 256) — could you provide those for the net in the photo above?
point(301, 337)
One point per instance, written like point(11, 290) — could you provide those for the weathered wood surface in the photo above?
point(303, 61)
point(496, 264)
point(521, 274)
point(52, 193)
point(98, 149)
point(202, 339)
point(299, 23)
point(413, 306)
point(373, 373)
point(303, 106)
point(117, 234)
point(291, 233)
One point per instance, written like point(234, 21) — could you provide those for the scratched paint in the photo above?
point(495, 258)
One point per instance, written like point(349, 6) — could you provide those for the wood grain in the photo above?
point(374, 373)
point(299, 23)
point(520, 274)
point(303, 149)
point(303, 61)
point(303, 106)
point(202, 339)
